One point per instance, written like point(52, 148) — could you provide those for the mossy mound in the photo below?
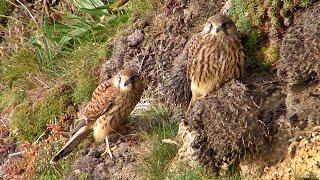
point(229, 118)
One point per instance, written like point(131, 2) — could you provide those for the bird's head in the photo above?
point(219, 24)
point(128, 80)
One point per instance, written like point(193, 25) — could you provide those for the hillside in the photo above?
point(265, 125)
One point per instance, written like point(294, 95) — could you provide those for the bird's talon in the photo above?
point(108, 150)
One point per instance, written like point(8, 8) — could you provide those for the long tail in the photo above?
point(81, 122)
point(74, 141)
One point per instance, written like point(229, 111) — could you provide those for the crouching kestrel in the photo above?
point(215, 56)
point(111, 102)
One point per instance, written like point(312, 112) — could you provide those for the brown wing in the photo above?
point(192, 48)
point(102, 98)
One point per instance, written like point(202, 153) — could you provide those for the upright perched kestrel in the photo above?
point(215, 56)
point(111, 102)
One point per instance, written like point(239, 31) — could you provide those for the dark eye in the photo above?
point(133, 78)
point(224, 25)
point(210, 25)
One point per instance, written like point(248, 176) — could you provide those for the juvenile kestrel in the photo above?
point(111, 102)
point(215, 56)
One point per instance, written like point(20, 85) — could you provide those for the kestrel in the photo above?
point(215, 56)
point(111, 102)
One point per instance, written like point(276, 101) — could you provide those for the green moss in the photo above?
point(156, 163)
point(20, 66)
point(310, 176)
point(252, 17)
point(11, 97)
point(83, 90)
point(4, 8)
point(30, 119)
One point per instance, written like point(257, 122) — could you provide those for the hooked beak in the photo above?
point(125, 83)
point(216, 29)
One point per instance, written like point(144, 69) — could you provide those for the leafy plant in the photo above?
point(93, 23)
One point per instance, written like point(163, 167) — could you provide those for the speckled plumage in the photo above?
point(215, 56)
point(111, 102)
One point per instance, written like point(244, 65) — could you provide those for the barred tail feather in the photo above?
point(74, 141)
point(81, 122)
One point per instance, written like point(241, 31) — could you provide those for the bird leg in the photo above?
point(190, 106)
point(201, 97)
point(108, 150)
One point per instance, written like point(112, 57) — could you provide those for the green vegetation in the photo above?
point(157, 161)
point(194, 174)
point(45, 170)
point(50, 93)
point(54, 73)
point(4, 8)
point(250, 16)
point(253, 40)
point(43, 85)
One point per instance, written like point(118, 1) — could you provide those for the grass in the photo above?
point(30, 119)
point(45, 170)
point(69, 84)
point(193, 174)
point(156, 162)
point(55, 72)
point(53, 75)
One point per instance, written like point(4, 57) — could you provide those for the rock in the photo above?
point(194, 151)
point(230, 123)
point(221, 129)
point(299, 68)
point(303, 162)
point(299, 53)
point(294, 141)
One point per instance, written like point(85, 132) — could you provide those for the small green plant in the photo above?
point(310, 176)
point(305, 3)
point(156, 163)
point(253, 39)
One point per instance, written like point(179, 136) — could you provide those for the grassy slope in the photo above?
point(47, 81)
point(56, 74)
